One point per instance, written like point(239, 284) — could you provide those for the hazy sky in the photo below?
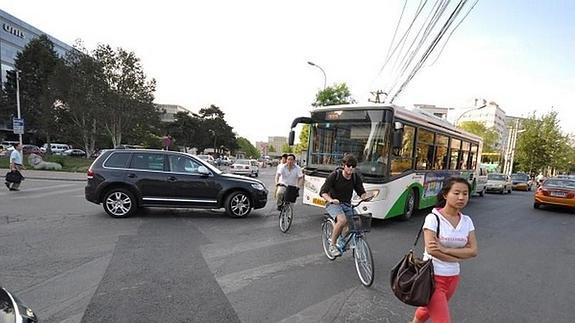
point(249, 57)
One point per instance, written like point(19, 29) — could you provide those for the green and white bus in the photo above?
point(403, 155)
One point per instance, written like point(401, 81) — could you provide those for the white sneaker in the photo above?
point(334, 251)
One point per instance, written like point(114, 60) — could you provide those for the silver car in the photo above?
point(245, 167)
point(500, 183)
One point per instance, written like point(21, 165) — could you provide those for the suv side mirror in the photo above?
point(203, 170)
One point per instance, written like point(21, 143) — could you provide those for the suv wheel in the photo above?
point(238, 204)
point(119, 203)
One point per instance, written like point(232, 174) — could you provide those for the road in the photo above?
point(71, 263)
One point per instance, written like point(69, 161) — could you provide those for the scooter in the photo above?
point(12, 310)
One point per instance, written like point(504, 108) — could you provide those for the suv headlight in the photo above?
point(258, 186)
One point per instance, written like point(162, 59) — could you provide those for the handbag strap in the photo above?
point(421, 230)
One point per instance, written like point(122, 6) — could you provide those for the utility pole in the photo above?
point(18, 100)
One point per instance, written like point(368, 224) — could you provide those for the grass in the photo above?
point(69, 164)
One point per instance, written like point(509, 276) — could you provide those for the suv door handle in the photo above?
point(172, 179)
point(132, 175)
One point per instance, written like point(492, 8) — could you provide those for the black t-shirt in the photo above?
point(341, 188)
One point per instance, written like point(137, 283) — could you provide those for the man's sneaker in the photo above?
point(334, 251)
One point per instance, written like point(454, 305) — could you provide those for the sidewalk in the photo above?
point(46, 174)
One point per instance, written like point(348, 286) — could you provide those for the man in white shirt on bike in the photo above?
point(288, 175)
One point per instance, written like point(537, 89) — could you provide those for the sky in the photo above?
point(250, 57)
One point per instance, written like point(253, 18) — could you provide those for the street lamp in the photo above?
point(321, 69)
point(214, 134)
point(465, 112)
point(18, 99)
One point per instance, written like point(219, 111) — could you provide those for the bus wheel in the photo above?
point(409, 205)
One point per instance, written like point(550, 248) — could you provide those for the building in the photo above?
point(15, 35)
point(169, 111)
point(439, 112)
point(277, 143)
point(490, 114)
point(262, 146)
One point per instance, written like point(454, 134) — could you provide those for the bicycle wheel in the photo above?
point(286, 217)
point(326, 230)
point(363, 262)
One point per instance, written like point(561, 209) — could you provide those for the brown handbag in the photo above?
point(412, 278)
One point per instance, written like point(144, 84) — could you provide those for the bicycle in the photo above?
point(355, 238)
point(286, 211)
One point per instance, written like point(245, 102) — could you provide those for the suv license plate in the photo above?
point(558, 194)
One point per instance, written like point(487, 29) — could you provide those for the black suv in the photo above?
point(123, 180)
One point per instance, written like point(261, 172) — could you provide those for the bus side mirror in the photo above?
point(291, 138)
point(397, 140)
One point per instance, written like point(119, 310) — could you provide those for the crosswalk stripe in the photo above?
point(34, 189)
point(238, 280)
point(219, 250)
point(45, 194)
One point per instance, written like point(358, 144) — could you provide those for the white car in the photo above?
point(245, 167)
point(208, 158)
point(57, 149)
point(75, 152)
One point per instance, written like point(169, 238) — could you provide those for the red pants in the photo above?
point(437, 309)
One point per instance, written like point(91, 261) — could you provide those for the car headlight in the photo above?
point(258, 186)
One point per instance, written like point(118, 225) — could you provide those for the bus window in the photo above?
point(464, 155)
point(472, 160)
point(441, 147)
point(454, 153)
point(424, 157)
point(404, 161)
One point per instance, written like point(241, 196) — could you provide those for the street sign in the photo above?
point(18, 126)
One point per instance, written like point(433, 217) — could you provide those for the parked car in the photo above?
point(499, 183)
point(521, 182)
point(75, 152)
point(123, 180)
point(208, 158)
point(481, 181)
point(13, 310)
point(556, 191)
point(245, 167)
point(31, 149)
point(57, 149)
point(225, 161)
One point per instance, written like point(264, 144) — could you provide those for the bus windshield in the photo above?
point(367, 138)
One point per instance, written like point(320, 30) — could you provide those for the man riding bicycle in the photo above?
point(337, 191)
point(288, 175)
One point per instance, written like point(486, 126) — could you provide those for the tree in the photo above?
point(83, 98)
point(489, 135)
point(541, 145)
point(215, 129)
point(37, 64)
point(185, 129)
point(332, 95)
point(247, 147)
point(303, 139)
point(286, 148)
point(272, 149)
point(128, 105)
